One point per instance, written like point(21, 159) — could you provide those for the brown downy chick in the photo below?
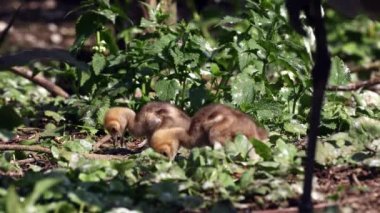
point(158, 115)
point(116, 121)
point(218, 123)
point(167, 141)
point(152, 116)
point(212, 125)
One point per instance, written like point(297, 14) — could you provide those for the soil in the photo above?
point(43, 24)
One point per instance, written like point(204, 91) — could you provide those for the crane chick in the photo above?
point(152, 116)
point(212, 125)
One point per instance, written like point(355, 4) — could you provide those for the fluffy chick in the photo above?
point(152, 116)
point(212, 125)
point(158, 115)
point(116, 121)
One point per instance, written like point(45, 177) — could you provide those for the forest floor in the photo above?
point(43, 24)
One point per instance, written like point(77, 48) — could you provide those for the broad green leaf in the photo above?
point(365, 127)
point(339, 74)
point(55, 152)
point(285, 154)
point(167, 89)
point(40, 187)
point(98, 63)
point(242, 89)
point(87, 24)
point(80, 146)
point(13, 204)
point(295, 127)
point(56, 116)
point(247, 178)
point(326, 154)
point(262, 149)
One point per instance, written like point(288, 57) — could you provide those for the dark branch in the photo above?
point(40, 80)
point(36, 148)
point(354, 86)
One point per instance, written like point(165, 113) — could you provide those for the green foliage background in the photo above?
point(253, 61)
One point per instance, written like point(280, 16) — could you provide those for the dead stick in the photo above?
point(102, 141)
point(32, 148)
point(24, 161)
point(354, 86)
point(36, 148)
point(367, 67)
point(40, 80)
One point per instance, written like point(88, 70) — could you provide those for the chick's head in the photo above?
point(165, 142)
point(115, 122)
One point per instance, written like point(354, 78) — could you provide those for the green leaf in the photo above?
point(242, 89)
point(214, 68)
point(295, 127)
point(240, 146)
point(167, 89)
point(339, 74)
point(98, 63)
point(79, 146)
point(107, 36)
point(326, 153)
point(102, 111)
point(40, 187)
point(13, 204)
point(56, 117)
point(285, 154)
point(262, 149)
point(247, 178)
point(55, 152)
point(87, 24)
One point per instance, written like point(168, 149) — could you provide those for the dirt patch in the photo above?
point(355, 187)
point(39, 24)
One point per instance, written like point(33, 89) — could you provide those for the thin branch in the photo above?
point(24, 161)
point(40, 80)
point(25, 57)
point(354, 86)
point(367, 67)
point(36, 148)
point(32, 148)
point(101, 141)
point(12, 174)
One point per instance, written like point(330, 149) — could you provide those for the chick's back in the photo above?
point(158, 115)
point(225, 122)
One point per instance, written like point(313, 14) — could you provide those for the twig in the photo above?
point(12, 174)
point(36, 148)
point(367, 67)
point(40, 80)
point(24, 161)
point(355, 86)
point(102, 141)
point(32, 148)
